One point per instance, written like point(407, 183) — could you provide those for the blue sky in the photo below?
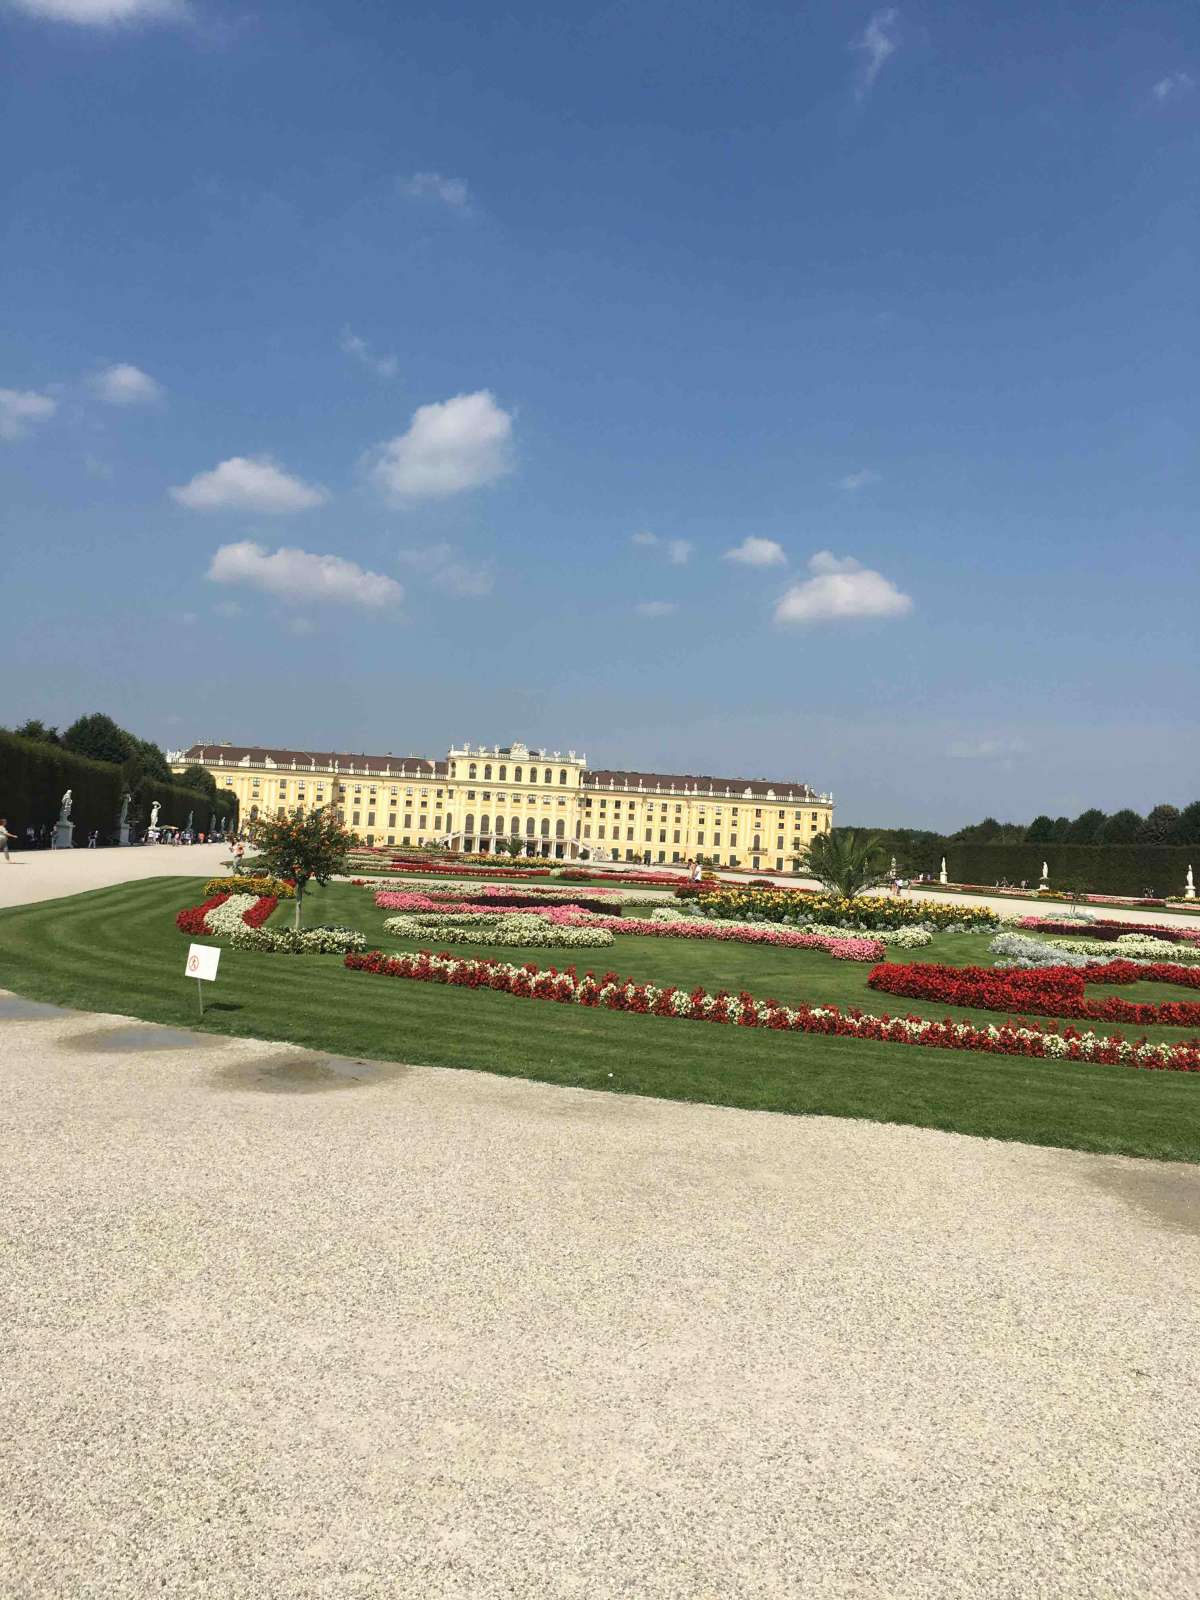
point(796, 391)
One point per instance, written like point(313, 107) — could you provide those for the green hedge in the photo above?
point(1124, 869)
point(34, 776)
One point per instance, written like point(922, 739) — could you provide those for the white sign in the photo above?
point(202, 961)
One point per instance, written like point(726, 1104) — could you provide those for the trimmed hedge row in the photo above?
point(1124, 869)
point(34, 776)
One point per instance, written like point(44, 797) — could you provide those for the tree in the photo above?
point(1062, 827)
point(1086, 827)
point(99, 739)
point(1188, 829)
point(1040, 830)
point(848, 862)
point(1121, 828)
point(35, 729)
point(154, 763)
point(306, 847)
point(1160, 827)
point(198, 778)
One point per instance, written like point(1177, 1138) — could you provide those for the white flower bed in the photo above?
point(298, 941)
point(227, 918)
point(1132, 947)
point(1020, 951)
point(521, 930)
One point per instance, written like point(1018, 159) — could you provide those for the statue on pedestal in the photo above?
point(1045, 883)
point(154, 809)
point(1189, 892)
point(64, 828)
point(65, 814)
point(942, 878)
point(123, 819)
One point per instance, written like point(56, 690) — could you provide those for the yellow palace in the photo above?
point(551, 801)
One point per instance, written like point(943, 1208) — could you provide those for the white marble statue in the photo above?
point(65, 813)
point(154, 814)
point(1189, 892)
point(124, 817)
point(942, 878)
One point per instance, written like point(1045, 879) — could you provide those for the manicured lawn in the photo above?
point(118, 950)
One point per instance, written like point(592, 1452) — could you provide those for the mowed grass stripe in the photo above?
point(118, 950)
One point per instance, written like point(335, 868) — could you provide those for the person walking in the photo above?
point(5, 836)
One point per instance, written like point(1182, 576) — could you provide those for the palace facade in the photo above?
point(553, 802)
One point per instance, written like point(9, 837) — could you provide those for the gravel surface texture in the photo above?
point(276, 1325)
point(46, 874)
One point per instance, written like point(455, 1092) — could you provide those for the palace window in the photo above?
point(354, 819)
point(560, 829)
point(628, 833)
point(547, 776)
point(370, 819)
point(600, 831)
point(562, 777)
point(471, 770)
point(517, 775)
point(391, 819)
point(545, 827)
point(700, 837)
point(502, 773)
point(487, 773)
point(530, 825)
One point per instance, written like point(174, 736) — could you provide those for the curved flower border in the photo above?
point(1048, 991)
point(612, 993)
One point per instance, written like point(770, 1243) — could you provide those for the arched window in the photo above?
point(545, 827)
point(499, 825)
point(503, 771)
point(487, 773)
point(254, 815)
point(547, 776)
point(562, 777)
point(514, 825)
point(471, 770)
point(469, 822)
point(529, 827)
point(484, 824)
point(560, 829)
point(517, 776)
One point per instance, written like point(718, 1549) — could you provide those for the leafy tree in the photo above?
point(848, 862)
point(35, 729)
point(1122, 827)
point(154, 763)
point(1160, 827)
point(306, 846)
point(201, 778)
point(1188, 829)
point(1062, 827)
point(99, 739)
point(1040, 830)
point(1086, 827)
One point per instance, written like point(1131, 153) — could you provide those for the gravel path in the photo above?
point(276, 1326)
point(46, 874)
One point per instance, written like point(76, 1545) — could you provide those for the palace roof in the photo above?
point(236, 755)
point(691, 783)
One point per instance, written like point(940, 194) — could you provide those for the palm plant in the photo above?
point(848, 862)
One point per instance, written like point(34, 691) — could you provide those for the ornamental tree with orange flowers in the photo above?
point(304, 847)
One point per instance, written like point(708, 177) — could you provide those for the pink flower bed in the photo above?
point(847, 949)
point(1109, 929)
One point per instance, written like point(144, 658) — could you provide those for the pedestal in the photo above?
point(122, 833)
point(62, 835)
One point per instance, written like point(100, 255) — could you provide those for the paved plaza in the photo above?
point(283, 1325)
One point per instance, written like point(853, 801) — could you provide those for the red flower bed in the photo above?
point(192, 919)
point(1110, 931)
point(1045, 991)
point(258, 914)
point(612, 993)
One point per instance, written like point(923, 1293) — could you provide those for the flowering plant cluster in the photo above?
point(439, 869)
point(1132, 947)
point(449, 895)
point(251, 883)
point(1019, 950)
point(525, 932)
point(1056, 991)
point(225, 913)
point(298, 941)
point(613, 993)
point(646, 880)
point(863, 913)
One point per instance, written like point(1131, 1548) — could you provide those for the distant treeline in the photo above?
point(100, 762)
point(1124, 853)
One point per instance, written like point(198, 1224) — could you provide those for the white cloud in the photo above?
point(755, 552)
point(298, 575)
point(353, 345)
point(452, 192)
point(20, 409)
point(451, 445)
point(454, 576)
point(102, 13)
point(126, 385)
point(249, 483)
point(1175, 83)
point(840, 589)
point(677, 551)
point(877, 42)
point(654, 608)
point(991, 748)
point(858, 480)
